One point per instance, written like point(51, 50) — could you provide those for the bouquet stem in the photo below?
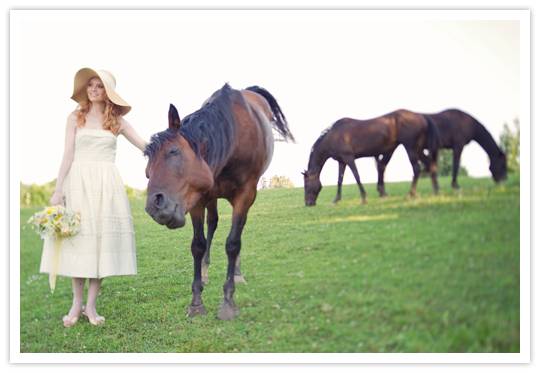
point(56, 259)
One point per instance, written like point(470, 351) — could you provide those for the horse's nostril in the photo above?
point(159, 200)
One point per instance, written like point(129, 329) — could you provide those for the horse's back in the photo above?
point(361, 137)
point(455, 127)
point(254, 142)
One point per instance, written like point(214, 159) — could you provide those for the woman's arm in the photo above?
point(67, 159)
point(133, 137)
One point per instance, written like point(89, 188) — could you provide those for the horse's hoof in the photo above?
point(227, 311)
point(364, 202)
point(239, 279)
point(196, 310)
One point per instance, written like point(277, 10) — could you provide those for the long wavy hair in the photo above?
point(111, 115)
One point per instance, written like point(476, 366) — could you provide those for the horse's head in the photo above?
point(177, 176)
point(497, 167)
point(312, 187)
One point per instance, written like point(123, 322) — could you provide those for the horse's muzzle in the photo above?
point(165, 211)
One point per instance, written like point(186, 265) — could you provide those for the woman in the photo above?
point(89, 182)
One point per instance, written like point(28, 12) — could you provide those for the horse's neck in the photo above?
point(485, 140)
point(317, 159)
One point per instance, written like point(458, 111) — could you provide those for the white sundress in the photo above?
point(105, 245)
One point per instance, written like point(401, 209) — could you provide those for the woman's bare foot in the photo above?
point(93, 317)
point(73, 315)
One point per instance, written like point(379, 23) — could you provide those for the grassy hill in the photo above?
point(431, 274)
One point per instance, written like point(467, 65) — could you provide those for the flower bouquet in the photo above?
point(58, 223)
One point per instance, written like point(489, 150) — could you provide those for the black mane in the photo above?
point(210, 131)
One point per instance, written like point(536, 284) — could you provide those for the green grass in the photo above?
point(431, 274)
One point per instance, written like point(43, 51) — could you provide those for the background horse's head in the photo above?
point(177, 175)
point(312, 187)
point(497, 167)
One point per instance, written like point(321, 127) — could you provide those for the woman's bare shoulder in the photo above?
point(72, 118)
point(124, 124)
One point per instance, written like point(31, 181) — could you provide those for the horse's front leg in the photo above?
point(198, 247)
point(241, 205)
point(341, 171)
point(212, 222)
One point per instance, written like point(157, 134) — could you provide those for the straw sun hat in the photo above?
point(109, 82)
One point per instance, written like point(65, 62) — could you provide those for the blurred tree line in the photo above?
point(276, 181)
point(34, 195)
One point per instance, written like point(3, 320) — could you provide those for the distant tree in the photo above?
point(445, 161)
point(280, 182)
point(509, 143)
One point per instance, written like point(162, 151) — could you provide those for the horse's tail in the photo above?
point(279, 122)
point(433, 137)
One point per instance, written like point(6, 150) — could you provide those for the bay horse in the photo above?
point(456, 129)
point(219, 151)
point(348, 139)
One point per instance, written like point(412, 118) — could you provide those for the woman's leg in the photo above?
point(77, 285)
point(93, 292)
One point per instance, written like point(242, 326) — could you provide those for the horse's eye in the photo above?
point(174, 151)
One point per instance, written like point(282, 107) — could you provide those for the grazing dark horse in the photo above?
point(456, 129)
point(219, 151)
point(348, 139)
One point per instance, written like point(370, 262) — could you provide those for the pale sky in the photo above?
point(319, 65)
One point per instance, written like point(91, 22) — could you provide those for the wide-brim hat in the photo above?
point(109, 82)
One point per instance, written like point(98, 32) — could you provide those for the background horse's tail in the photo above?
point(279, 122)
point(433, 137)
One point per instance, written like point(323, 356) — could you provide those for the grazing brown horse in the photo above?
point(456, 129)
point(348, 139)
point(219, 151)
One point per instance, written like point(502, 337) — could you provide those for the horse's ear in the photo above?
point(304, 173)
point(174, 118)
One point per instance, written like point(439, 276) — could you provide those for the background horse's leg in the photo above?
point(381, 167)
point(241, 204)
point(341, 171)
point(455, 165)
point(433, 171)
point(413, 158)
point(198, 247)
point(211, 221)
point(352, 166)
point(430, 165)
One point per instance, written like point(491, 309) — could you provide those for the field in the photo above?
point(431, 274)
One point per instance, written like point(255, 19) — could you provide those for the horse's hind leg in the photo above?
point(430, 165)
point(341, 171)
point(381, 167)
point(198, 247)
point(352, 166)
point(241, 204)
point(212, 222)
point(413, 158)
